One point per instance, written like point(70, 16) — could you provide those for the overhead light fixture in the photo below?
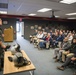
point(72, 18)
point(3, 12)
point(44, 10)
point(31, 14)
point(57, 16)
point(68, 1)
point(71, 14)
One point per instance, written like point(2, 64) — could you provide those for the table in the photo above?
point(9, 67)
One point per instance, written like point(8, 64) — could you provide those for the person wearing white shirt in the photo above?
point(40, 35)
point(70, 37)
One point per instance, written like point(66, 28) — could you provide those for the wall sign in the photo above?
point(32, 27)
point(36, 26)
point(5, 22)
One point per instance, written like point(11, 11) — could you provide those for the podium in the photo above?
point(8, 34)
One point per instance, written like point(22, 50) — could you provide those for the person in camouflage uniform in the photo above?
point(2, 47)
point(1, 34)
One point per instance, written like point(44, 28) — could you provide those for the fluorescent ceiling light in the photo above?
point(71, 14)
point(44, 10)
point(3, 12)
point(68, 1)
point(57, 16)
point(71, 18)
point(31, 14)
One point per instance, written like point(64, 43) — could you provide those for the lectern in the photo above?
point(8, 34)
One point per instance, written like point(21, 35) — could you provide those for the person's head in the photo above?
point(50, 30)
point(41, 32)
point(45, 33)
point(56, 33)
point(60, 32)
point(74, 39)
point(63, 31)
point(48, 35)
point(65, 39)
point(38, 32)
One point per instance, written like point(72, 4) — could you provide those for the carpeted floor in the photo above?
point(42, 59)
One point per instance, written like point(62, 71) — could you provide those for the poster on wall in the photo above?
point(32, 27)
point(5, 22)
point(39, 27)
point(36, 26)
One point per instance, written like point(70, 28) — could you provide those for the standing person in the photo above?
point(2, 47)
point(1, 34)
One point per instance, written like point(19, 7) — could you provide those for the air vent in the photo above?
point(4, 5)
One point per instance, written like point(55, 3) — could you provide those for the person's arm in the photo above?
point(67, 47)
point(2, 35)
point(73, 58)
point(3, 46)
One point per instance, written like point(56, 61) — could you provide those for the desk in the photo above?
point(9, 67)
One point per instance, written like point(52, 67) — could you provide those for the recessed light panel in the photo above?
point(31, 14)
point(71, 14)
point(3, 12)
point(68, 1)
point(44, 10)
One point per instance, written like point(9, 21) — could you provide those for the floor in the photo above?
point(42, 59)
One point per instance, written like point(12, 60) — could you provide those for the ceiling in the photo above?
point(25, 7)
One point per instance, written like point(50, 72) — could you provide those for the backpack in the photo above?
point(21, 61)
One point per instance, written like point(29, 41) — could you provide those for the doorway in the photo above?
point(19, 29)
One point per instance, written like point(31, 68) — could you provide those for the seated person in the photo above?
point(60, 39)
point(68, 59)
point(53, 41)
point(58, 51)
point(32, 36)
point(41, 42)
point(70, 37)
point(39, 36)
point(46, 42)
point(35, 37)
